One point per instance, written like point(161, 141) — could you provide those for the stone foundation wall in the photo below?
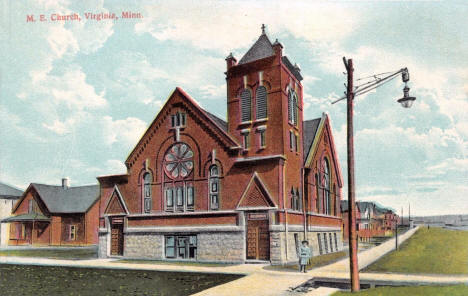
point(278, 245)
point(144, 245)
point(221, 246)
point(102, 247)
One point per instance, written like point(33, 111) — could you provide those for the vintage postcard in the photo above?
point(233, 147)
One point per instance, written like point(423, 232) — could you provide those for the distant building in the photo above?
point(249, 188)
point(55, 215)
point(371, 220)
point(8, 196)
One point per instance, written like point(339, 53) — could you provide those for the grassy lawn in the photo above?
point(431, 251)
point(54, 280)
point(459, 290)
point(316, 261)
point(75, 253)
point(181, 263)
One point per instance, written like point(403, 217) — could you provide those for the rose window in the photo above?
point(178, 162)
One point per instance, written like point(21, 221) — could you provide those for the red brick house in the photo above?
point(372, 220)
point(55, 216)
point(200, 188)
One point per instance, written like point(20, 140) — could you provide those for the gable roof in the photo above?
point(9, 192)
point(222, 124)
point(311, 139)
point(261, 49)
point(310, 128)
point(218, 124)
point(116, 204)
point(58, 199)
point(256, 195)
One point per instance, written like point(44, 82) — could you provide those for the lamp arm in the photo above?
point(376, 84)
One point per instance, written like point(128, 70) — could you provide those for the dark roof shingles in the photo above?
point(260, 50)
point(310, 129)
point(9, 191)
point(70, 200)
point(222, 124)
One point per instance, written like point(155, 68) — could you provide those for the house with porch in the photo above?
point(49, 215)
point(249, 188)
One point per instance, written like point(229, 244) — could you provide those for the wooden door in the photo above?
point(117, 239)
point(258, 239)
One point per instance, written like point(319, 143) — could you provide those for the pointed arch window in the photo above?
point(326, 182)
point(296, 203)
point(147, 192)
point(318, 195)
point(246, 105)
point(214, 187)
point(292, 107)
point(261, 103)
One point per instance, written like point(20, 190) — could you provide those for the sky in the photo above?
point(75, 96)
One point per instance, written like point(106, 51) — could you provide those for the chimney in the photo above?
point(65, 183)
point(231, 61)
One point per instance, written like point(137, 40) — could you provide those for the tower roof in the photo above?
point(260, 50)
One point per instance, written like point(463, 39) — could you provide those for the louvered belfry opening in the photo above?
point(261, 100)
point(246, 99)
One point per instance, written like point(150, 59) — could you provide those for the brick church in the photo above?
point(247, 189)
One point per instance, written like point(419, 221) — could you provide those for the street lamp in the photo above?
point(351, 92)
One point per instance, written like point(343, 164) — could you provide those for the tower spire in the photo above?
point(263, 29)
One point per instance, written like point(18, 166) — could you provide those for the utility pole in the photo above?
point(353, 260)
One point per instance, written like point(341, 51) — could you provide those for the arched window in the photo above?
point(214, 187)
point(261, 103)
point(326, 181)
point(147, 192)
point(318, 196)
point(292, 107)
point(178, 186)
point(246, 107)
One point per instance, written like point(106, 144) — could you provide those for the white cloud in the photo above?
point(124, 131)
point(70, 89)
point(60, 127)
point(115, 166)
point(226, 26)
point(213, 92)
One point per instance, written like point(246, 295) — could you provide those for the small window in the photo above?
point(246, 140)
point(72, 232)
point(331, 242)
point(262, 139)
point(180, 196)
point(178, 120)
point(296, 142)
point(169, 198)
point(147, 205)
point(214, 202)
point(190, 197)
point(170, 246)
point(30, 206)
point(292, 141)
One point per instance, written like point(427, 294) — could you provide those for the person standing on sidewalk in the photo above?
point(304, 255)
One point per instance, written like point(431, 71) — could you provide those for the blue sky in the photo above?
point(76, 96)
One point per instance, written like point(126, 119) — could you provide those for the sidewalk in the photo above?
point(369, 256)
point(258, 280)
